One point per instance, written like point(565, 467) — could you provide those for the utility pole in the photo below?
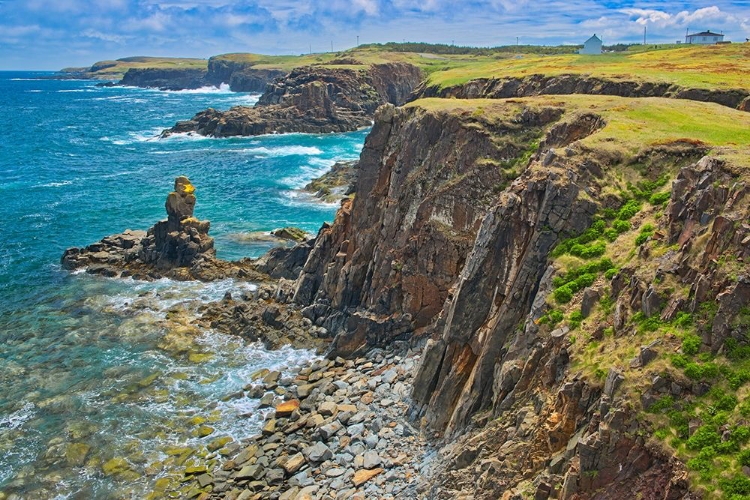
point(357, 40)
point(331, 45)
point(644, 35)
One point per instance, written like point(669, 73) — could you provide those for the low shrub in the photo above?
point(659, 198)
point(704, 436)
point(691, 344)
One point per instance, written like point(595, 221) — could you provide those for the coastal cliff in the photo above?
point(312, 100)
point(165, 79)
point(481, 226)
point(241, 77)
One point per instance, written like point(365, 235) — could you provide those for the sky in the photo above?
point(52, 34)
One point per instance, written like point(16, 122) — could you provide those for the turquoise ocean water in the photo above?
point(84, 375)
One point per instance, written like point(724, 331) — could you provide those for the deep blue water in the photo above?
point(77, 163)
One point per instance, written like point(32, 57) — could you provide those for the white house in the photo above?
point(592, 46)
point(704, 37)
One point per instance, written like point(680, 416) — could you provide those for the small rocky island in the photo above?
point(177, 248)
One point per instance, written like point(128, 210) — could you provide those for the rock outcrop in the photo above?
point(312, 100)
point(178, 248)
point(506, 87)
point(241, 76)
point(166, 78)
point(339, 182)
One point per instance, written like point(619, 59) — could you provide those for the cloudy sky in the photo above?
point(50, 34)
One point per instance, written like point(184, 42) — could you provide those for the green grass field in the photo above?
point(706, 67)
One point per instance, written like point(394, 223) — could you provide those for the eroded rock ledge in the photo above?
point(178, 248)
point(311, 100)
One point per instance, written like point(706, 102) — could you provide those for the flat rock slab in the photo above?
point(362, 476)
point(287, 408)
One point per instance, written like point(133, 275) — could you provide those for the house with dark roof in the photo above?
point(592, 46)
point(704, 37)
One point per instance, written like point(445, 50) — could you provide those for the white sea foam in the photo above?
point(33, 91)
point(280, 151)
point(18, 417)
point(186, 136)
point(222, 89)
point(134, 137)
point(315, 168)
point(54, 184)
point(160, 295)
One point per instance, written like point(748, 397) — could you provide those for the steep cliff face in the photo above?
point(313, 100)
point(501, 88)
point(427, 178)
point(241, 77)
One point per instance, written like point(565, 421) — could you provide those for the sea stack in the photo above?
point(181, 239)
point(178, 247)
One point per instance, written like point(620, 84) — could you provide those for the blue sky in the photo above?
point(51, 34)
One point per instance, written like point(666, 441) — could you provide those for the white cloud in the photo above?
point(107, 37)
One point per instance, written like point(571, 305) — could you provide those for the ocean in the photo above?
point(93, 403)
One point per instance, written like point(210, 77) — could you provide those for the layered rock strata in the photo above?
point(385, 267)
point(428, 249)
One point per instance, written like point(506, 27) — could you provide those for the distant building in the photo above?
point(704, 37)
point(592, 46)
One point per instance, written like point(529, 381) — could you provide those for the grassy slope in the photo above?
point(708, 67)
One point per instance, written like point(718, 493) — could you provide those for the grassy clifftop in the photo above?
point(630, 123)
point(357, 58)
point(705, 67)
point(715, 67)
point(116, 69)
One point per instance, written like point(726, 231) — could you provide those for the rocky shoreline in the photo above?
point(338, 183)
point(336, 430)
point(310, 100)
